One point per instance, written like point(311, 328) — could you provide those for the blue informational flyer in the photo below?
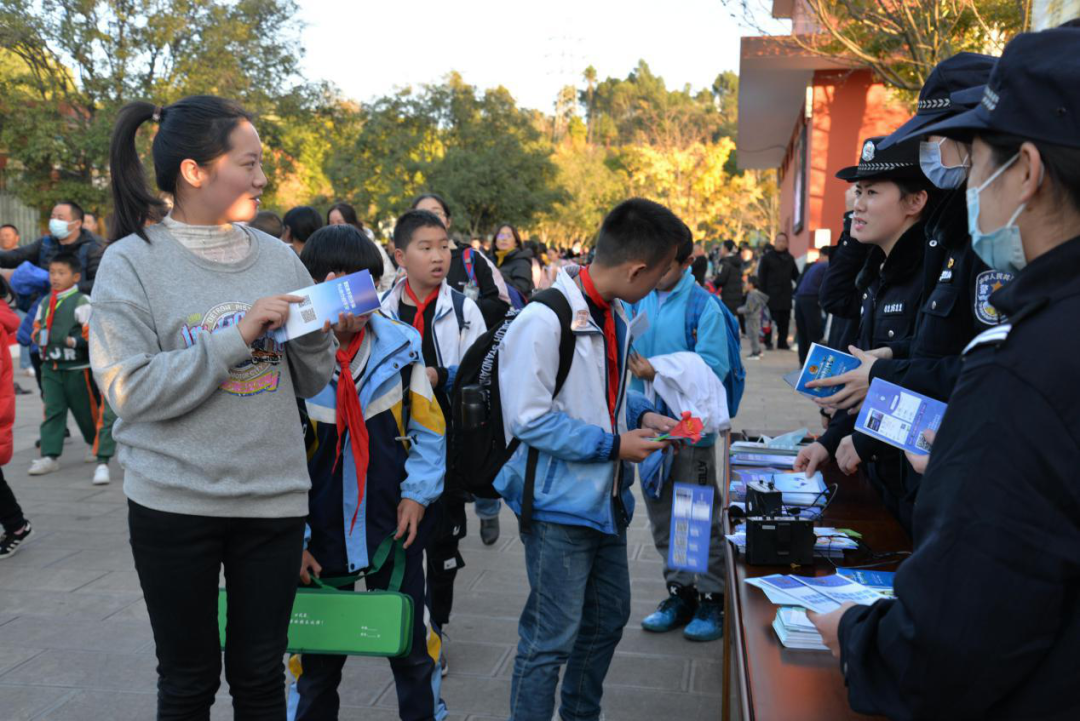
point(821, 363)
point(899, 417)
point(691, 525)
point(880, 581)
point(323, 302)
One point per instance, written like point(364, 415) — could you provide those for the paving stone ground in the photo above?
point(76, 644)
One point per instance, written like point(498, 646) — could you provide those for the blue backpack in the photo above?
point(735, 382)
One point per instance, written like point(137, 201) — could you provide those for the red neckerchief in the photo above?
point(53, 300)
point(611, 343)
point(421, 306)
point(351, 417)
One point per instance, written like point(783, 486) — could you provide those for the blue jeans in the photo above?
point(488, 507)
point(579, 603)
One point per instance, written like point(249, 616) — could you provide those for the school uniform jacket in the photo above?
point(406, 432)
point(579, 479)
point(451, 341)
point(986, 623)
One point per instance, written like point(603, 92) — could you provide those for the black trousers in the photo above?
point(808, 326)
point(443, 557)
point(179, 559)
point(781, 323)
point(11, 515)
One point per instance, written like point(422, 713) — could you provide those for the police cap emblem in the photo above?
point(868, 150)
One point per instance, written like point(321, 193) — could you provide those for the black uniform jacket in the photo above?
point(955, 306)
point(986, 624)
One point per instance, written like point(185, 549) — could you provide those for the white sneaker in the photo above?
point(90, 457)
point(41, 466)
point(101, 475)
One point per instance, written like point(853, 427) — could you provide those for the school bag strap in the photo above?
point(458, 299)
point(378, 560)
point(467, 261)
point(557, 302)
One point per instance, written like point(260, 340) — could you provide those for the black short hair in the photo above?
point(340, 249)
point(699, 268)
point(77, 213)
point(412, 221)
point(9, 225)
point(729, 245)
point(826, 251)
point(639, 230)
point(752, 280)
point(685, 251)
point(1062, 163)
point(71, 260)
point(268, 222)
point(302, 221)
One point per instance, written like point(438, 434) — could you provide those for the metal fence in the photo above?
point(23, 217)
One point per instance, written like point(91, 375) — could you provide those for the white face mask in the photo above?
point(59, 229)
point(943, 176)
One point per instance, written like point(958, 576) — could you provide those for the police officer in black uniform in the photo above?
point(986, 623)
point(955, 306)
point(882, 277)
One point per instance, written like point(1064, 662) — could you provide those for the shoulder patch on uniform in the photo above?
point(994, 336)
point(985, 284)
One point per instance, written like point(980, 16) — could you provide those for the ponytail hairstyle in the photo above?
point(195, 128)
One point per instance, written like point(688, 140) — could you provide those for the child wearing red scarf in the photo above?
point(377, 458)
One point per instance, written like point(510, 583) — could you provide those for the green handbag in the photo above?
point(352, 623)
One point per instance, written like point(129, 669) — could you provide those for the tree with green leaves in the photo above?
point(67, 66)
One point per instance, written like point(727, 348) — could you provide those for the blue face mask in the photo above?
point(1002, 248)
point(941, 175)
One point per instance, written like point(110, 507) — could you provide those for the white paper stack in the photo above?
point(796, 631)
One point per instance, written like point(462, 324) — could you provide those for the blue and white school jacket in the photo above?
point(406, 433)
point(576, 475)
point(451, 340)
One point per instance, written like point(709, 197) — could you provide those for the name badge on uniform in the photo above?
point(946, 274)
point(893, 308)
point(581, 320)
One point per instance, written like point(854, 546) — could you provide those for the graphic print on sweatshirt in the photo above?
point(258, 374)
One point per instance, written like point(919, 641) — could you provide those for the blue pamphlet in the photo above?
point(821, 363)
point(898, 416)
point(881, 581)
point(354, 293)
point(691, 524)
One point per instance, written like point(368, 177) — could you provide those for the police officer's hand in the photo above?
point(828, 625)
point(855, 384)
point(811, 458)
point(309, 567)
point(919, 462)
point(409, 515)
point(846, 457)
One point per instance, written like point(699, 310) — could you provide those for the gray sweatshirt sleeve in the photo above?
point(141, 381)
point(311, 357)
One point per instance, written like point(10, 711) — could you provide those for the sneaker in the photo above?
point(41, 466)
point(489, 530)
point(10, 542)
point(101, 475)
point(708, 623)
point(20, 391)
point(754, 356)
point(90, 457)
point(674, 611)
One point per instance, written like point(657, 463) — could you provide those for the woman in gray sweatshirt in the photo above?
point(208, 431)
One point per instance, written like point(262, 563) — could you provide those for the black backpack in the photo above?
point(478, 447)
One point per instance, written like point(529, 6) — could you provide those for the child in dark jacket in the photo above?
point(376, 478)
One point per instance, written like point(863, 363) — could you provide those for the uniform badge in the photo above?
point(952, 262)
point(985, 284)
point(868, 151)
point(581, 320)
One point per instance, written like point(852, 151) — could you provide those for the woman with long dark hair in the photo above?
point(181, 345)
point(513, 259)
